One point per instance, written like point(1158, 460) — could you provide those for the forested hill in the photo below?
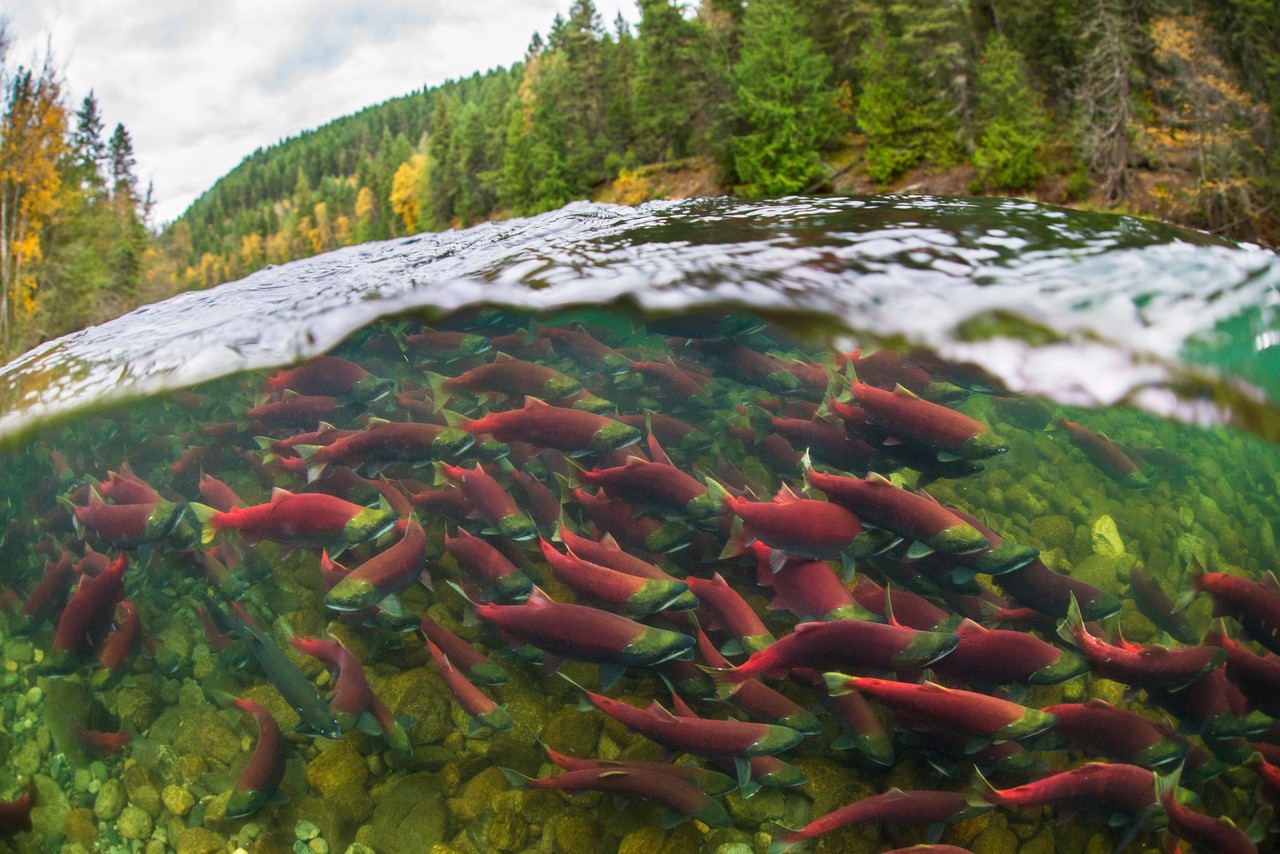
point(1159, 107)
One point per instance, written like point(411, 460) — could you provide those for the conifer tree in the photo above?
point(785, 101)
point(885, 110)
point(1011, 120)
point(123, 181)
point(89, 147)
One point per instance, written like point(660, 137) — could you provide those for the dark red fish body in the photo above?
point(747, 365)
point(492, 501)
point(127, 488)
point(388, 572)
point(293, 411)
point(670, 431)
point(584, 634)
point(999, 556)
point(447, 501)
point(568, 430)
point(847, 644)
point(511, 376)
point(15, 815)
point(258, 782)
point(497, 576)
point(391, 441)
point(1157, 607)
point(677, 794)
point(655, 485)
point(895, 805)
point(826, 442)
point(863, 729)
point(699, 736)
point(1002, 656)
point(302, 519)
point(1103, 453)
point(86, 617)
point(758, 700)
point(1099, 728)
point(1203, 832)
point(587, 351)
point(48, 594)
point(328, 375)
point(809, 589)
point(887, 369)
point(217, 494)
point(909, 609)
point(1151, 667)
point(913, 517)
point(1257, 676)
point(463, 655)
point(117, 645)
point(447, 344)
point(803, 527)
point(711, 782)
point(1254, 605)
point(951, 709)
point(1097, 786)
point(629, 595)
point(101, 743)
point(128, 525)
point(1049, 592)
point(901, 415)
point(483, 710)
point(677, 385)
point(618, 518)
point(523, 345)
point(606, 552)
point(732, 612)
point(542, 503)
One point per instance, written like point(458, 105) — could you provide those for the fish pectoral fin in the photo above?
point(610, 674)
point(368, 724)
point(742, 766)
point(919, 550)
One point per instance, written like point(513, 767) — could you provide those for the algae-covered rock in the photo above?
point(507, 832)
point(206, 733)
point(1041, 842)
point(420, 694)
point(575, 831)
point(81, 828)
point(51, 808)
point(573, 732)
point(110, 800)
point(1105, 537)
point(200, 840)
point(764, 806)
point(339, 774)
point(1102, 571)
point(995, 840)
point(177, 800)
point(477, 793)
point(643, 840)
point(1052, 531)
point(137, 706)
point(134, 823)
point(26, 761)
point(409, 817)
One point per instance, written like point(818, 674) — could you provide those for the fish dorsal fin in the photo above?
point(785, 495)
point(502, 357)
point(813, 626)
point(968, 628)
point(531, 402)
point(609, 542)
point(888, 607)
point(278, 494)
point(612, 772)
point(375, 421)
point(718, 580)
point(903, 391)
point(934, 687)
point(1270, 582)
point(682, 709)
point(632, 462)
point(1098, 703)
point(656, 709)
point(538, 599)
point(322, 426)
point(877, 479)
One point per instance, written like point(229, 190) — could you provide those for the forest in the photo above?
point(1159, 108)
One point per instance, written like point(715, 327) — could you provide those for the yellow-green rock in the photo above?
point(643, 840)
point(200, 840)
point(1106, 537)
point(575, 831)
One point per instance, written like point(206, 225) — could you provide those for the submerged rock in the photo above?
point(409, 817)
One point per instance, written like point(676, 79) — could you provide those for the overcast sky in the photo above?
point(200, 84)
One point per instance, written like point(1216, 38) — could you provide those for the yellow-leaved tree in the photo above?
point(404, 191)
point(32, 141)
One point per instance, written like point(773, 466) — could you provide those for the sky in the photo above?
point(200, 84)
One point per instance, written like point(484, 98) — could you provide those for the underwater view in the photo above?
point(857, 526)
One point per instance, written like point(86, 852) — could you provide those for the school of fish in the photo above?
point(608, 497)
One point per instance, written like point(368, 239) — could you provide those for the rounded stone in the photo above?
point(177, 800)
point(643, 840)
point(200, 840)
point(507, 832)
point(305, 830)
point(110, 800)
point(574, 831)
point(81, 827)
point(134, 823)
point(1052, 531)
point(409, 816)
point(995, 840)
point(1105, 537)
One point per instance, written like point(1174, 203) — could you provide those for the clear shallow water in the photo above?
point(1206, 493)
point(1107, 308)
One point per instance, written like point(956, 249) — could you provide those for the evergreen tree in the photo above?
point(885, 110)
point(666, 108)
point(123, 181)
point(787, 106)
point(87, 143)
point(1011, 120)
point(935, 37)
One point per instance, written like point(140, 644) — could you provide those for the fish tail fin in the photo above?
point(1192, 583)
point(784, 839)
point(264, 443)
point(315, 467)
point(453, 419)
point(1073, 625)
point(572, 478)
point(515, 779)
point(717, 493)
point(1167, 785)
point(725, 680)
point(441, 477)
point(838, 684)
point(984, 794)
point(439, 393)
point(736, 542)
point(204, 515)
point(71, 507)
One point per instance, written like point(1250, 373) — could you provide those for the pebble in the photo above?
point(177, 800)
point(305, 830)
point(110, 800)
point(134, 823)
point(318, 846)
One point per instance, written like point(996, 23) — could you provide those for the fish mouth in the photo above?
point(655, 646)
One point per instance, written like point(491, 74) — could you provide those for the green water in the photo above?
point(1211, 494)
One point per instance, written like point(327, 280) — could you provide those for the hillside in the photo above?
point(1166, 109)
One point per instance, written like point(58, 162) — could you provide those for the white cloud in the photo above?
point(200, 85)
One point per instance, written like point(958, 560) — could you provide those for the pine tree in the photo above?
point(886, 113)
point(123, 181)
point(665, 73)
point(1011, 120)
point(87, 143)
point(788, 107)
